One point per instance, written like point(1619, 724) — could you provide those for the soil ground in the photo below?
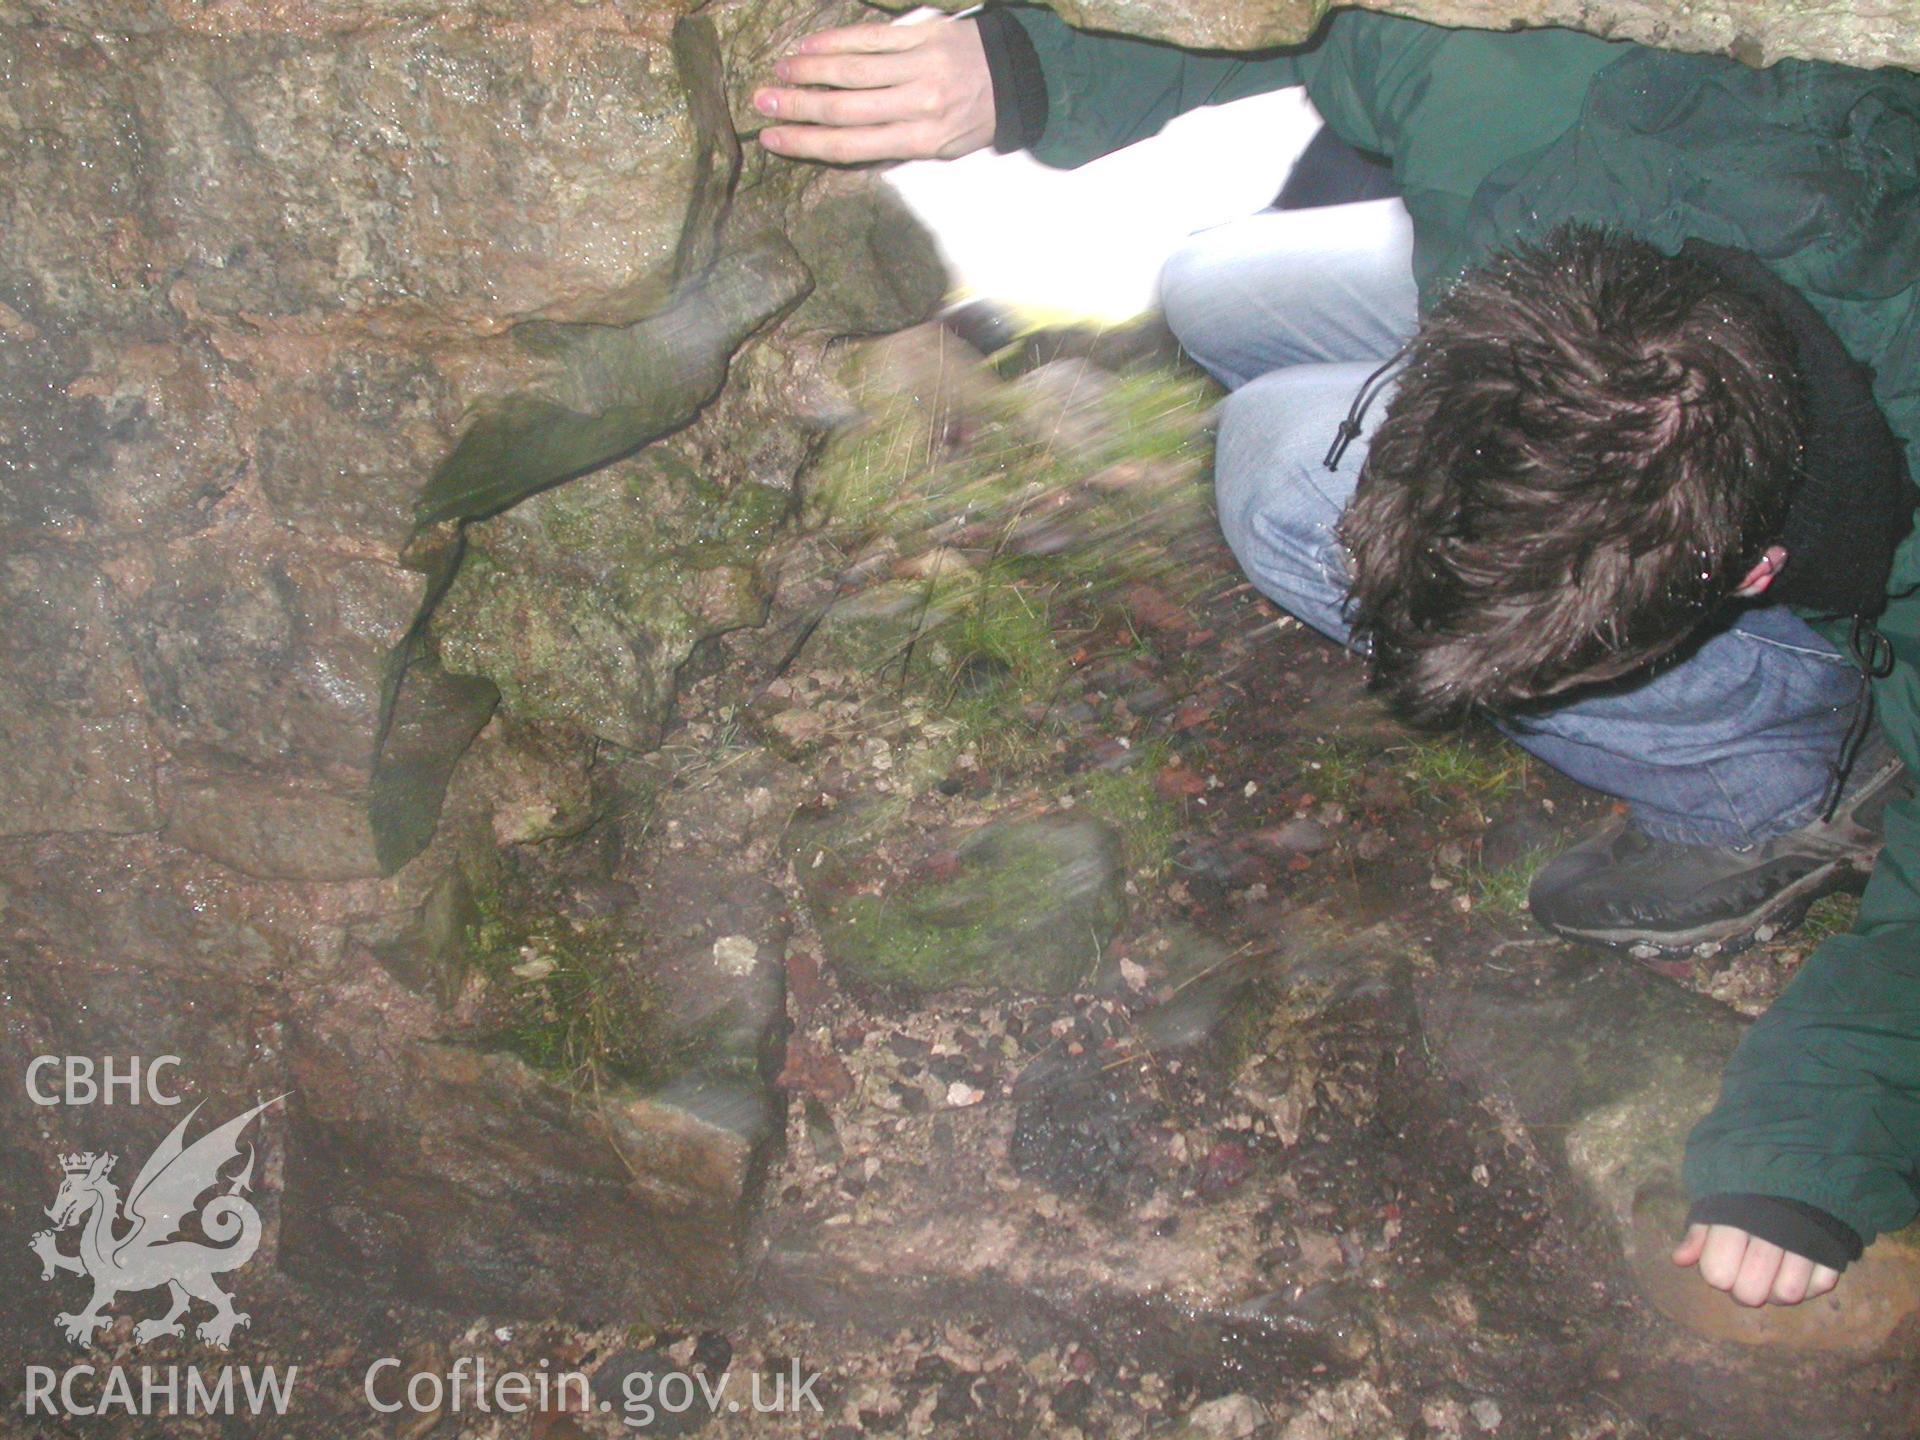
point(1224, 1185)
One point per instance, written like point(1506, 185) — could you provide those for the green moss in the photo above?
point(865, 466)
point(1025, 905)
point(880, 938)
point(992, 669)
point(715, 528)
point(581, 603)
point(996, 731)
point(983, 650)
point(892, 473)
point(1156, 414)
point(976, 653)
point(991, 661)
point(661, 507)
point(1129, 801)
point(1003, 625)
point(887, 471)
point(937, 937)
point(557, 997)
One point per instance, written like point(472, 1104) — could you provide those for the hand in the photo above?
point(1753, 1270)
point(884, 92)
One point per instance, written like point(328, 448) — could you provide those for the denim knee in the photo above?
point(1190, 300)
point(1279, 518)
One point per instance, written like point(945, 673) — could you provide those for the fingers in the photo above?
point(1757, 1271)
point(859, 90)
point(1753, 1271)
point(881, 92)
point(1792, 1280)
point(905, 141)
point(1740, 1264)
point(1722, 1256)
point(846, 107)
point(862, 40)
point(1687, 1252)
point(847, 72)
point(1732, 1260)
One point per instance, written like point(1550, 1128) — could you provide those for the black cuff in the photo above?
point(1793, 1225)
point(1019, 84)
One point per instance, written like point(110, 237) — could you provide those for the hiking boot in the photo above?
point(1661, 901)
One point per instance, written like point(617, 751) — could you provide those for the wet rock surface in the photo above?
point(1758, 32)
point(583, 604)
point(268, 804)
point(75, 734)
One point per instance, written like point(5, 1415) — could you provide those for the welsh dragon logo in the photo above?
point(135, 1248)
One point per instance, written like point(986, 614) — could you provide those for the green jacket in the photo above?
point(1815, 168)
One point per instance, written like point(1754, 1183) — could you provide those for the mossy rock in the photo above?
point(1026, 905)
point(582, 603)
point(875, 267)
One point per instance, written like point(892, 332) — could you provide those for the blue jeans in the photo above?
point(1739, 740)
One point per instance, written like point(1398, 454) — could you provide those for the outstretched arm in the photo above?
point(1821, 1102)
point(1017, 77)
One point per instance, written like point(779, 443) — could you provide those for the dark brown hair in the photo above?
point(1589, 445)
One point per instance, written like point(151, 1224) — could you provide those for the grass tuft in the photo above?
point(1452, 767)
point(1828, 916)
point(1333, 770)
point(1502, 891)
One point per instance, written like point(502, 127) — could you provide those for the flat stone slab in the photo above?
point(1609, 1067)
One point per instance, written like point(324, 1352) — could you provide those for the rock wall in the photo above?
point(295, 301)
point(1756, 31)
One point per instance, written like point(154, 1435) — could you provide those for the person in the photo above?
point(1648, 328)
